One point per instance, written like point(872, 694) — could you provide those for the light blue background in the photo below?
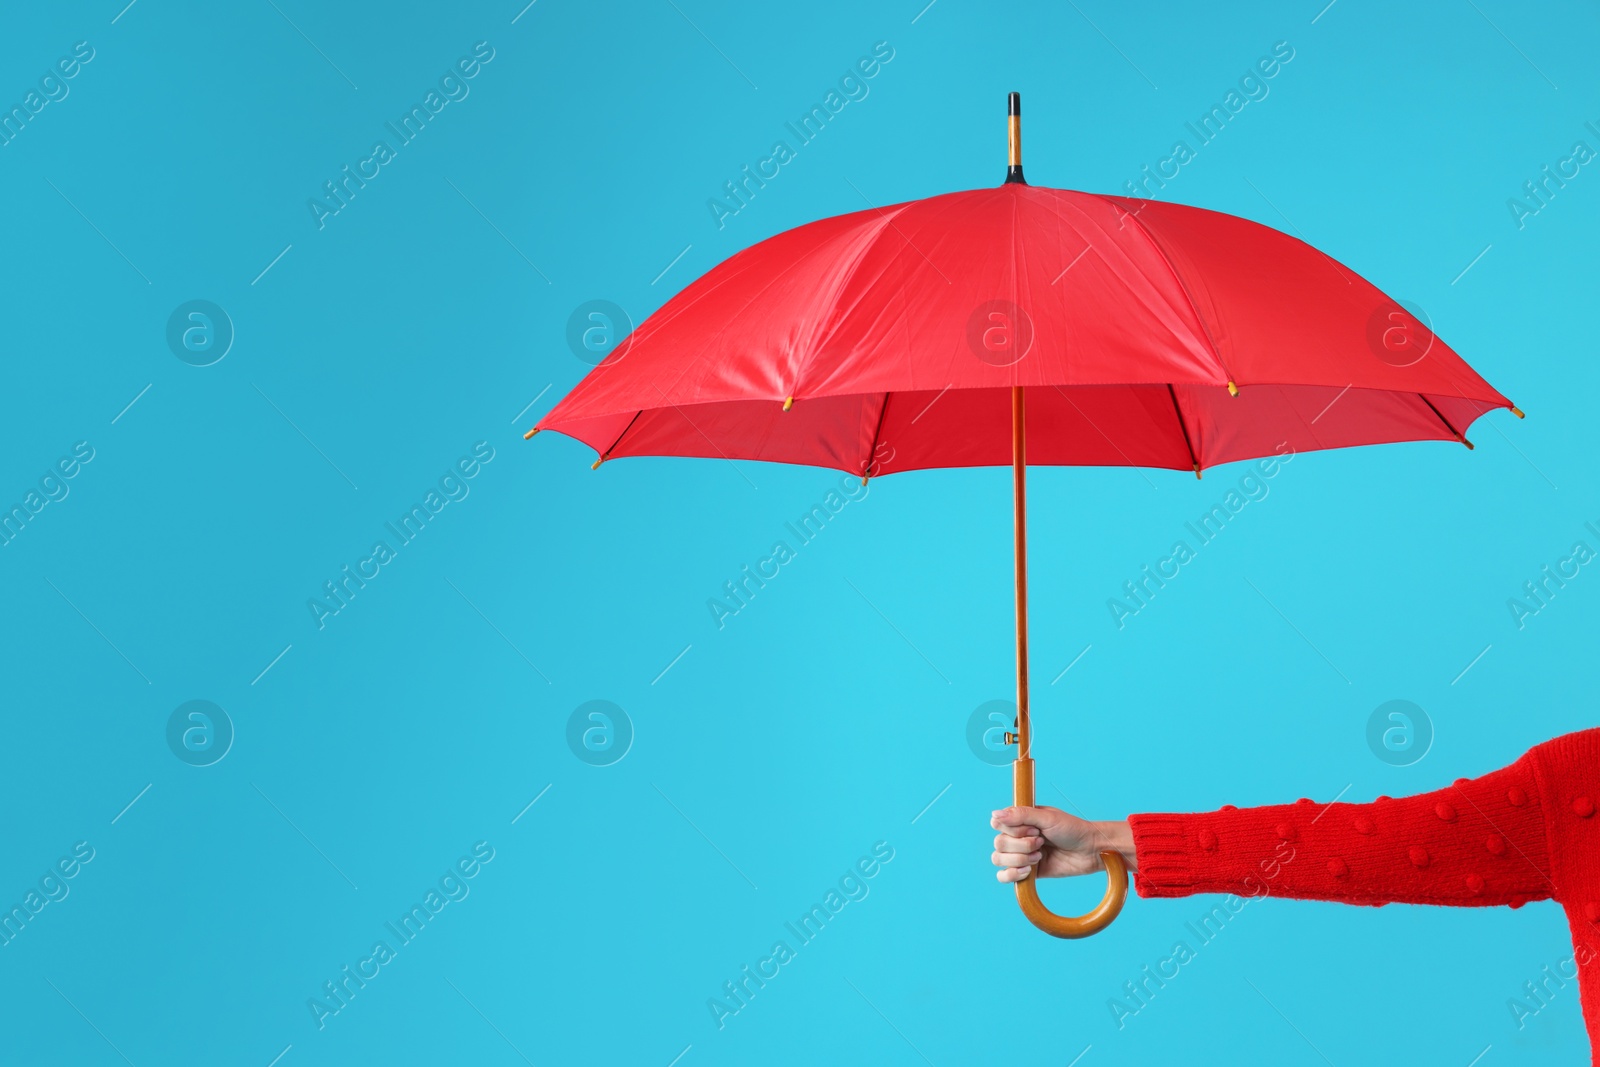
point(424, 718)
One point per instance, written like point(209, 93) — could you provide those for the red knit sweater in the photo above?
point(1526, 832)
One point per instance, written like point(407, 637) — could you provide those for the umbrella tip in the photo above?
point(1468, 443)
point(1014, 140)
point(596, 464)
point(529, 435)
point(1233, 390)
point(1197, 472)
point(788, 403)
point(1517, 412)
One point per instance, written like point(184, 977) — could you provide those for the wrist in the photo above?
point(1117, 836)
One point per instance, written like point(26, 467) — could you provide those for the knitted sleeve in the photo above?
point(1477, 842)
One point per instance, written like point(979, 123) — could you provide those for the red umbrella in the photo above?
point(1131, 333)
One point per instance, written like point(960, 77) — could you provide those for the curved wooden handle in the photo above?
point(1075, 926)
point(1069, 926)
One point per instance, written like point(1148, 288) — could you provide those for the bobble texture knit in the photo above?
point(1529, 831)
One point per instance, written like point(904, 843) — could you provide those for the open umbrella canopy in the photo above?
point(1144, 333)
point(1020, 323)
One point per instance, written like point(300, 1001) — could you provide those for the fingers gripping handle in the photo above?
point(1070, 926)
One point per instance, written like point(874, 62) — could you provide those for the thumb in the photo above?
point(1018, 817)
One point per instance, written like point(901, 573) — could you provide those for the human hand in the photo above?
point(1056, 844)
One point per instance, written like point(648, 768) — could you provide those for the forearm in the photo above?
point(1117, 836)
point(1477, 842)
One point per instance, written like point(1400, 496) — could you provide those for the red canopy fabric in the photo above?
point(900, 331)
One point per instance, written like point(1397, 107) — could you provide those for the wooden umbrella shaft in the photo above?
point(1101, 915)
point(1019, 496)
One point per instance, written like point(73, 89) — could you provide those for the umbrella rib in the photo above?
point(873, 451)
point(897, 209)
point(1457, 434)
point(886, 215)
point(841, 287)
point(697, 429)
point(1183, 287)
point(642, 332)
point(1184, 429)
point(607, 453)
